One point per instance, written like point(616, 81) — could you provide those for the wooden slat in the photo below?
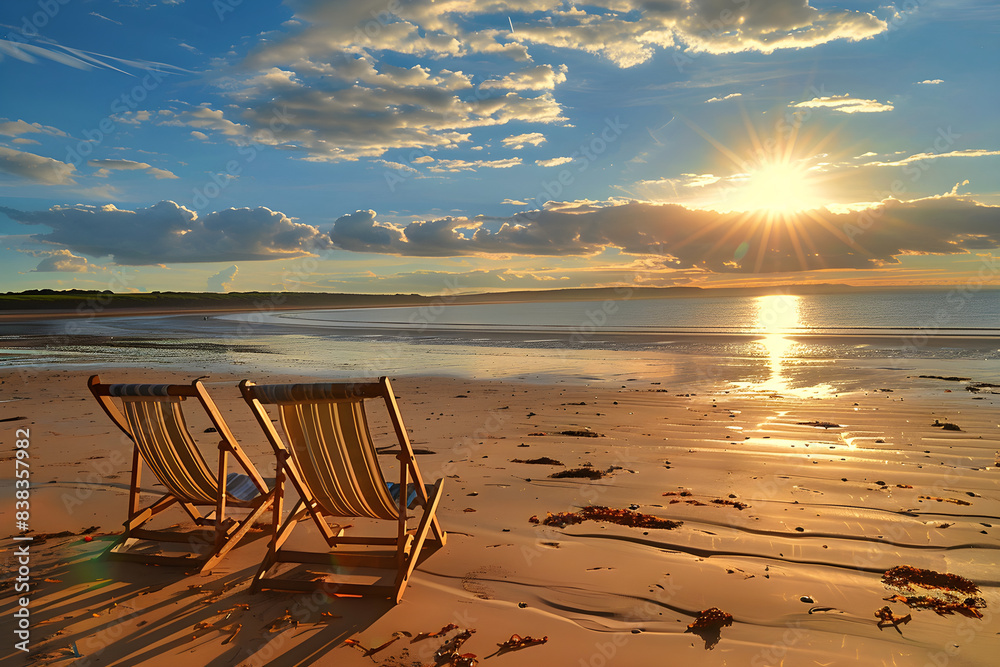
point(154, 559)
point(374, 541)
point(295, 585)
point(340, 559)
point(207, 536)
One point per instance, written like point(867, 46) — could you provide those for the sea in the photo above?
point(810, 343)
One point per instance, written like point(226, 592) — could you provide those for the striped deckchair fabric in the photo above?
point(327, 454)
point(165, 445)
point(151, 415)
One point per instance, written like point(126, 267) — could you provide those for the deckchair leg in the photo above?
point(142, 516)
point(237, 535)
point(426, 521)
point(277, 539)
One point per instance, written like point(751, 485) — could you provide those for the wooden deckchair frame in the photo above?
point(314, 503)
point(200, 488)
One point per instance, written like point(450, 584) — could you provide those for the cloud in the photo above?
point(355, 122)
point(223, 280)
point(553, 162)
point(105, 167)
point(62, 261)
point(723, 99)
point(540, 77)
point(201, 136)
point(518, 141)
point(930, 82)
point(14, 128)
point(692, 238)
point(22, 49)
point(471, 165)
point(36, 168)
point(630, 32)
point(845, 104)
point(105, 18)
point(328, 83)
point(397, 166)
point(168, 233)
point(919, 157)
point(430, 282)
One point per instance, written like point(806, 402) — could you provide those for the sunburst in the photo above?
point(777, 186)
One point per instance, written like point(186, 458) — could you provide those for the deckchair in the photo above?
point(151, 416)
point(328, 456)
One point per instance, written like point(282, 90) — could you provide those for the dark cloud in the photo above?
point(169, 233)
point(689, 238)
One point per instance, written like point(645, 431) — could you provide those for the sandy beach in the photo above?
point(790, 511)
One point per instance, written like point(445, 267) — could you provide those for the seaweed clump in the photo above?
point(609, 515)
point(581, 473)
point(944, 593)
point(708, 625)
point(544, 460)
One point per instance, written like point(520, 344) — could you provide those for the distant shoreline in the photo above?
point(51, 304)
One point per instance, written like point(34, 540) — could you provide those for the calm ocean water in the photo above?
point(774, 343)
point(927, 313)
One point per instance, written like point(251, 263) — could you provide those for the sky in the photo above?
point(421, 146)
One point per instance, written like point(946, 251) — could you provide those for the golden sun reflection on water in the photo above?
point(777, 316)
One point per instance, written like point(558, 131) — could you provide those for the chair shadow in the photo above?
point(149, 611)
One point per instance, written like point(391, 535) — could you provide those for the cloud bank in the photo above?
point(673, 235)
point(691, 238)
point(169, 233)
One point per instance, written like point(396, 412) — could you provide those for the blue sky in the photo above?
point(417, 146)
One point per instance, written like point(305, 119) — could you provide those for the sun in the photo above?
point(776, 186)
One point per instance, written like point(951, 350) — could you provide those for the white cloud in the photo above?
point(472, 165)
point(844, 104)
point(919, 157)
point(105, 167)
point(540, 77)
point(930, 82)
point(723, 99)
point(397, 166)
point(36, 168)
point(77, 58)
point(554, 162)
point(519, 141)
point(14, 128)
point(102, 16)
